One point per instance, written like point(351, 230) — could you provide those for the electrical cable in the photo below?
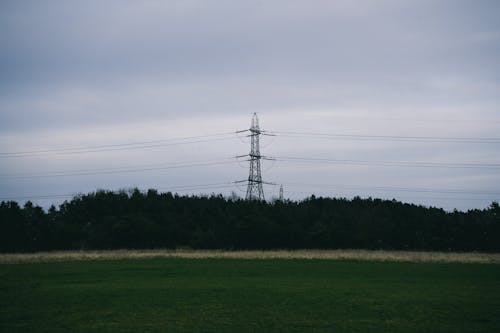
point(167, 189)
point(295, 159)
point(126, 169)
point(366, 137)
point(119, 146)
point(396, 189)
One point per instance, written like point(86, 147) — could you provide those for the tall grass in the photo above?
point(364, 255)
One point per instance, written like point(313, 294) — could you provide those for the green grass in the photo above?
point(242, 295)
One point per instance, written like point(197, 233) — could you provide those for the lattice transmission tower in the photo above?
point(254, 187)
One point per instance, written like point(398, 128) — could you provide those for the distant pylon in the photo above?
point(280, 198)
point(254, 188)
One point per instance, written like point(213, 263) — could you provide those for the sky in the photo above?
point(384, 99)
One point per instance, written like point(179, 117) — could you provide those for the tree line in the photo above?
point(136, 220)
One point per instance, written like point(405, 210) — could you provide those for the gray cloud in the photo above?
point(413, 67)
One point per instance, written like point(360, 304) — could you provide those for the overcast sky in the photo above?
point(80, 81)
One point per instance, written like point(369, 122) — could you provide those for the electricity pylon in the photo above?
point(254, 187)
point(280, 198)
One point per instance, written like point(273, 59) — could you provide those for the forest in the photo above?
point(136, 220)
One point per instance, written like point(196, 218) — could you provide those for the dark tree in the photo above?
point(133, 219)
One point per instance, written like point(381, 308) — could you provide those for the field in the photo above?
point(176, 294)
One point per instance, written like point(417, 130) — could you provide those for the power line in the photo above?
point(202, 163)
point(200, 186)
point(408, 119)
point(40, 197)
point(413, 198)
point(396, 189)
point(399, 197)
point(255, 178)
point(125, 169)
point(388, 163)
point(169, 189)
point(217, 137)
point(366, 137)
point(121, 146)
point(221, 185)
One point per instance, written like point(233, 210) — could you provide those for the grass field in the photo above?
point(248, 295)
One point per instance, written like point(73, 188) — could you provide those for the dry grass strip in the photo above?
point(367, 255)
